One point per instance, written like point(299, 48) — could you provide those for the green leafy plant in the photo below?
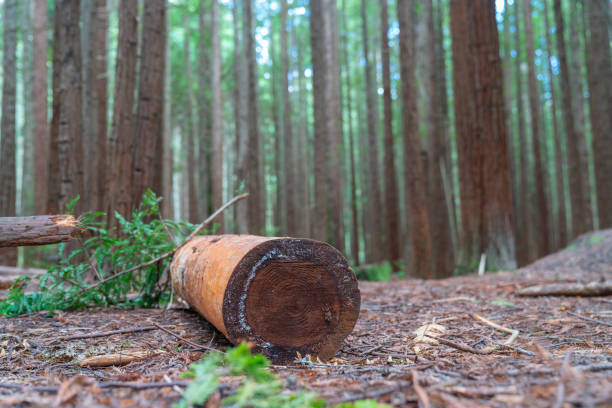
point(260, 388)
point(376, 272)
point(104, 253)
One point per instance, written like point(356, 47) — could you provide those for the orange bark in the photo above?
point(286, 295)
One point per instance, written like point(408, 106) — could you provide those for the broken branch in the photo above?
point(597, 288)
point(37, 230)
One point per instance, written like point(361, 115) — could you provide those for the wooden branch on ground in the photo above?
point(37, 230)
point(597, 288)
point(110, 384)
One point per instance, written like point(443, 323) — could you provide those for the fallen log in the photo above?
point(37, 230)
point(285, 295)
point(597, 288)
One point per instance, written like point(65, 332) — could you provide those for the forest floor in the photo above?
point(560, 357)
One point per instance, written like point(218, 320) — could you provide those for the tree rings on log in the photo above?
point(285, 295)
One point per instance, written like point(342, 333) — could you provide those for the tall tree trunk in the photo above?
point(486, 206)
point(7, 123)
point(167, 205)
point(67, 123)
point(89, 101)
point(541, 225)
point(525, 233)
point(192, 129)
point(375, 229)
point(39, 96)
point(288, 177)
point(420, 232)
point(439, 215)
point(601, 106)
point(303, 173)
point(577, 88)
point(391, 194)
point(561, 239)
point(204, 161)
point(240, 112)
point(27, 183)
point(280, 210)
point(217, 114)
point(320, 82)
point(100, 88)
point(334, 124)
point(576, 181)
point(254, 182)
point(119, 182)
point(149, 116)
point(354, 213)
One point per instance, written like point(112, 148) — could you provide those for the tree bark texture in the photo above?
point(149, 116)
point(390, 185)
point(119, 181)
point(579, 214)
point(37, 230)
point(217, 115)
point(420, 231)
point(7, 123)
point(601, 106)
point(541, 227)
point(39, 96)
point(285, 295)
point(484, 169)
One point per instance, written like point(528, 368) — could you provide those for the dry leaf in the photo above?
point(119, 359)
point(422, 342)
point(71, 388)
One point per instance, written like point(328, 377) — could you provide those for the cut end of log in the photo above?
point(286, 295)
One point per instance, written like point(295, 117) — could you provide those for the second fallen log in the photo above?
point(37, 230)
point(285, 295)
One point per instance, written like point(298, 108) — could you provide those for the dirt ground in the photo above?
point(559, 359)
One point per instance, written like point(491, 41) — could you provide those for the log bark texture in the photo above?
point(37, 230)
point(286, 295)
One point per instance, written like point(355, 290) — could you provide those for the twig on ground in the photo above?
point(368, 351)
point(596, 288)
point(514, 333)
point(589, 319)
point(104, 334)
point(195, 232)
point(191, 343)
point(420, 391)
point(112, 384)
point(459, 346)
point(520, 350)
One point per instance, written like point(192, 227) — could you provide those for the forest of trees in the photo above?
point(428, 131)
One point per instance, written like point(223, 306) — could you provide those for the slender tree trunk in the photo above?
point(439, 216)
point(391, 194)
point(27, 183)
point(100, 88)
point(420, 232)
point(334, 124)
point(39, 96)
point(601, 106)
point(289, 179)
point(354, 213)
point(149, 116)
point(576, 82)
point(7, 124)
point(525, 234)
point(240, 109)
point(280, 211)
point(119, 183)
point(320, 82)
point(67, 124)
point(217, 114)
point(578, 206)
point(204, 161)
point(558, 135)
point(486, 206)
point(90, 128)
point(541, 225)
point(375, 229)
point(303, 173)
point(192, 129)
point(254, 182)
point(167, 164)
